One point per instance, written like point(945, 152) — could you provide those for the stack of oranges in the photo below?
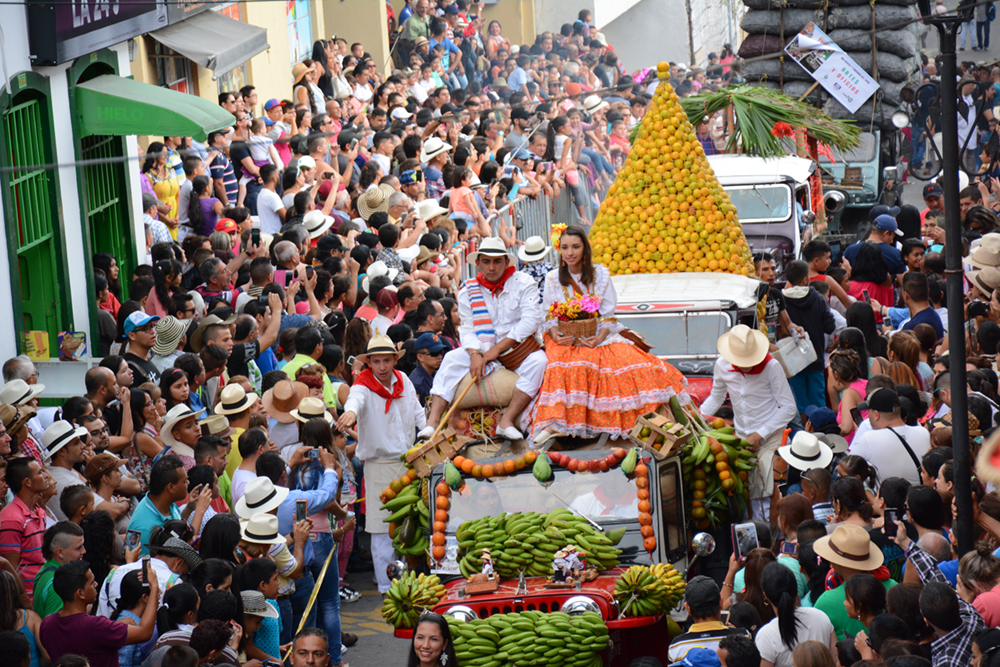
point(666, 212)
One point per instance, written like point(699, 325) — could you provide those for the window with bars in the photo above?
point(173, 72)
point(32, 218)
point(299, 21)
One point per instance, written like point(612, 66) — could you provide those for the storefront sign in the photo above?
point(62, 31)
point(831, 67)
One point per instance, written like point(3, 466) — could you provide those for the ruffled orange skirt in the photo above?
point(589, 391)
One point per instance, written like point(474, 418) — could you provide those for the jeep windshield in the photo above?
point(686, 339)
point(761, 203)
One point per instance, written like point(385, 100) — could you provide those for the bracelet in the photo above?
point(726, 583)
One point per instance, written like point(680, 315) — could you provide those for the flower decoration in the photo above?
point(557, 232)
point(582, 307)
point(782, 129)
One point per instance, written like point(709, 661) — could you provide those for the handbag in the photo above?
point(636, 339)
point(515, 356)
point(909, 451)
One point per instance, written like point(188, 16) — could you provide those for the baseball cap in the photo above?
point(137, 320)
point(149, 200)
point(451, 9)
point(270, 104)
point(268, 122)
point(520, 113)
point(386, 298)
point(408, 177)
point(428, 341)
point(226, 225)
point(820, 416)
point(400, 113)
point(701, 591)
point(887, 223)
point(882, 209)
point(932, 190)
point(882, 400)
point(698, 657)
point(522, 154)
point(306, 162)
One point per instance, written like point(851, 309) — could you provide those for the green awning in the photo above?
point(118, 106)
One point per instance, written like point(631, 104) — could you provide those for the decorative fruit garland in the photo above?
point(491, 470)
point(588, 465)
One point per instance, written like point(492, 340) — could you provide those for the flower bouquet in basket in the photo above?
point(578, 316)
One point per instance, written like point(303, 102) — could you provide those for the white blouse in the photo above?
point(555, 292)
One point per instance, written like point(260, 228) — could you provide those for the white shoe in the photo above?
point(510, 433)
point(426, 432)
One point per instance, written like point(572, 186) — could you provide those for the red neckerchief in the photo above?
point(604, 500)
point(498, 286)
point(756, 370)
point(367, 379)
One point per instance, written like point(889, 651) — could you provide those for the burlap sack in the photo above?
point(496, 390)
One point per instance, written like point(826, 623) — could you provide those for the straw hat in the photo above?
point(281, 399)
point(806, 452)
point(262, 529)
point(742, 346)
point(175, 546)
point(199, 333)
point(169, 331)
point(19, 392)
point(216, 425)
point(380, 345)
point(234, 399)
point(60, 434)
point(316, 223)
point(593, 104)
point(174, 416)
point(377, 269)
point(489, 247)
point(100, 465)
point(375, 200)
point(432, 148)
point(837, 443)
point(533, 249)
point(428, 209)
point(984, 256)
point(850, 546)
point(260, 495)
point(255, 603)
point(311, 407)
point(14, 417)
point(424, 255)
point(299, 71)
point(986, 280)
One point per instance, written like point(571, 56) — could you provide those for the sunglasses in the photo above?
point(433, 354)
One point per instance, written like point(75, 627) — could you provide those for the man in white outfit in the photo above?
point(763, 403)
point(499, 310)
point(384, 404)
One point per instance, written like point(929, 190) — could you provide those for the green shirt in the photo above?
point(45, 599)
point(832, 604)
point(225, 489)
point(329, 391)
point(415, 27)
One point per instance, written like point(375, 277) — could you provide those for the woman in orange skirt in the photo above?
point(601, 383)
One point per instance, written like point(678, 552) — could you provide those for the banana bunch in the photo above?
point(640, 593)
point(409, 596)
point(412, 518)
point(673, 580)
point(716, 464)
point(530, 638)
point(528, 541)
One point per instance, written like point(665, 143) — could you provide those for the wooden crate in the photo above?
point(435, 451)
point(479, 588)
point(672, 436)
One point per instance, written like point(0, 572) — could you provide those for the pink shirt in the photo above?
point(458, 201)
point(988, 606)
point(21, 533)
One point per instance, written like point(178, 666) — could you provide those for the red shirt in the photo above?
point(21, 532)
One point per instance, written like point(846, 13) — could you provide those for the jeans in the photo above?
point(599, 161)
point(287, 631)
point(250, 201)
point(299, 599)
point(966, 33)
point(808, 387)
point(328, 600)
point(983, 34)
point(919, 147)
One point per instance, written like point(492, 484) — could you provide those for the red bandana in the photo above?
point(367, 379)
point(756, 370)
point(498, 286)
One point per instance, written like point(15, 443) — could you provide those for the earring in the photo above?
point(444, 659)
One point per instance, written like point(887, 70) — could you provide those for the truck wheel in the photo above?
point(646, 661)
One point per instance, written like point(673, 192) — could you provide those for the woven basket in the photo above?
point(579, 328)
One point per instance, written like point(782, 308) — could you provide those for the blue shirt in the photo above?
point(321, 497)
point(517, 79)
point(927, 316)
point(267, 362)
point(449, 48)
point(893, 258)
point(146, 517)
point(422, 382)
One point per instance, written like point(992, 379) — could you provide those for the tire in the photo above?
point(646, 661)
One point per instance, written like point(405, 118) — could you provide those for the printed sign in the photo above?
point(36, 345)
point(831, 67)
point(72, 345)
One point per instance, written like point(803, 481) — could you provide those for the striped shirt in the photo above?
point(222, 168)
point(21, 533)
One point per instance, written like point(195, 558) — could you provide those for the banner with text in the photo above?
point(831, 67)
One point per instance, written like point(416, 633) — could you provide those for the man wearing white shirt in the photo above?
point(763, 403)
point(384, 405)
point(382, 151)
point(892, 447)
point(269, 206)
point(508, 313)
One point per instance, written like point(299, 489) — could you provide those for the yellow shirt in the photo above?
point(235, 459)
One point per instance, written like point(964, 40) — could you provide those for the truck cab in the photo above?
point(770, 195)
point(682, 316)
point(853, 181)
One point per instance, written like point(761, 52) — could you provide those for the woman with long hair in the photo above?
point(905, 347)
point(451, 320)
point(132, 600)
point(812, 654)
point(870, 273)
point(16, 617)
point(431, 645)
point(204, 210)
point(99, 536)
point(792, 624)
point(163, 179)
point(167, 276)
point(902, 374)
point(356, 338)
point(117, 365)
point(852, 339)
point(144, 447)
point(107, 263)
point(221, 539)
point(857, 466)
point(864, 597)
point(860, 316)
point(978, 578)
point(179, 609)
point(846, 388)
point(214, 574)
point(850, 502)
point(175, 388)
point(603, 383)
point(753, 567)
point(564, 150)
point(903, 601)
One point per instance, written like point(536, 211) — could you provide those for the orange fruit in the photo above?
point(508, 466)
point(641, 470)
point(442, 503)
point(440, 526)
point(519, 463)
point(468, 465)
point(642, 482)
point(477, 471)
point(438, 553)
point(487, 470)
point(443, 489)
point(438, 539)
point(388, 494)
point(458, 461)
point(644, 506)
point(441, 515)
point(649, 544)
point(646, 531)
point(643, 494)
point(645, 519)
point(529, 457)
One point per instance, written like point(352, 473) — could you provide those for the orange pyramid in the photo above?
point(666, 212)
